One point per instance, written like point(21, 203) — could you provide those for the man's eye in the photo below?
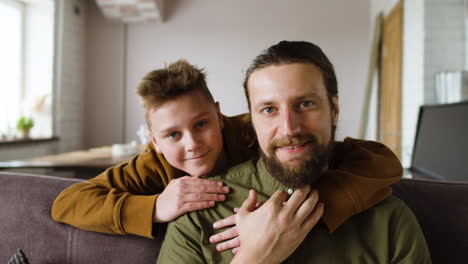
point(201, 124)
point(268, 110)
point(306, 104)
point(173, 135)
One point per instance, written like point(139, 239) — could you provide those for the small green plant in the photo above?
point(24, 125)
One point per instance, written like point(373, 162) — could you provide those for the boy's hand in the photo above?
point(272, 233)
point(187, 194)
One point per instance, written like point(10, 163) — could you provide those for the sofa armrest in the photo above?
point(25, 222)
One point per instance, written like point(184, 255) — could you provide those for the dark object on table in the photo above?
point(441, 146)
point(18, 258)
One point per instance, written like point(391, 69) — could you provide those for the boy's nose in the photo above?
point(191, 143)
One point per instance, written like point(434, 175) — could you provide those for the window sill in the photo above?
point(18, 141)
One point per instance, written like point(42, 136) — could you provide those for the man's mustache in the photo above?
point(297, 139)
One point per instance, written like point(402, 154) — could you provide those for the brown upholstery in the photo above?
point(442, 212)
point(25, 222)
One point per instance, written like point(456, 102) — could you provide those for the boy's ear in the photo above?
point(153, 140)
point(336, 110)
point(220, 115)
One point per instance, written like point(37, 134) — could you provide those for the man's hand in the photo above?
point(231, 234)
point(272, 233)
point(227, 239)
point(187, 194)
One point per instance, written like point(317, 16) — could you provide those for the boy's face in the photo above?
point(187, 131)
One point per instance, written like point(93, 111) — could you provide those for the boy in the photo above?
point(190, 136)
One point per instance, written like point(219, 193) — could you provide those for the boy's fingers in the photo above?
point(204, 188)
point(228, 221)
point(194, 206)
point(307, 206)
point(197, 181)
point(203, 197)
point(225, 235)
point(313, 218)
point(233, 243)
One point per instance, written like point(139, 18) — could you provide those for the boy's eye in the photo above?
point(268, 110)
point(173, 135)
point(201, 124)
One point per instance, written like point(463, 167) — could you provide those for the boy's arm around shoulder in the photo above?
point(120, 200)
point(360, 176)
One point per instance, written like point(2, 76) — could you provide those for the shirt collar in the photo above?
point(270, 183)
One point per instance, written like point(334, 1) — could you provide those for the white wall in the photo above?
point(105, 78)
point(413, 74)
point(224, 36)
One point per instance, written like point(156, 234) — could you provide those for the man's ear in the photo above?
point(336, 110)
point(220, 115)
point(153, 140)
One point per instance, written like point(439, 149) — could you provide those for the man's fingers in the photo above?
point(235, 250)
point(307, 206)
point(278, 198)
point(296, 199)
point(249, 203)
point(225, 235)
point(259, 204)
point(203, 197)
point(233, 243)
point(228, 221)
point(313, 218)
point(194, 206)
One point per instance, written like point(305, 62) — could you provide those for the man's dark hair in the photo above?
point(287, 52)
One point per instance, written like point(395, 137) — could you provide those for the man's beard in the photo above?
point(303, 172)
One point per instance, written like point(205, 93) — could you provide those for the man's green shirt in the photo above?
point(385, 233)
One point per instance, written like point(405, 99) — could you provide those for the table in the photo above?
point(84, 164)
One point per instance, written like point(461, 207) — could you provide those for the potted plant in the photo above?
point(24, 125)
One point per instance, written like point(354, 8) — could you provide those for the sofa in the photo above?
point(25, 223)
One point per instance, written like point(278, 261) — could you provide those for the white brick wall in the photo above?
point(69, 90)
point(444, 24)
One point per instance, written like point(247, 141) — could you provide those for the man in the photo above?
point(292, 95)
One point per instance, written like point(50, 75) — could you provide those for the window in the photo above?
point(26, 65)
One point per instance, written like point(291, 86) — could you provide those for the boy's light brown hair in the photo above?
point(176, 79)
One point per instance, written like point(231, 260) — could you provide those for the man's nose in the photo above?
point(289, 123)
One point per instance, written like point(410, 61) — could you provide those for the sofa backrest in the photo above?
point(25, 223)
point(442, 211)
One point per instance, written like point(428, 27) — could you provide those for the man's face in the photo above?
point(187, 131)
point(293, 120)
